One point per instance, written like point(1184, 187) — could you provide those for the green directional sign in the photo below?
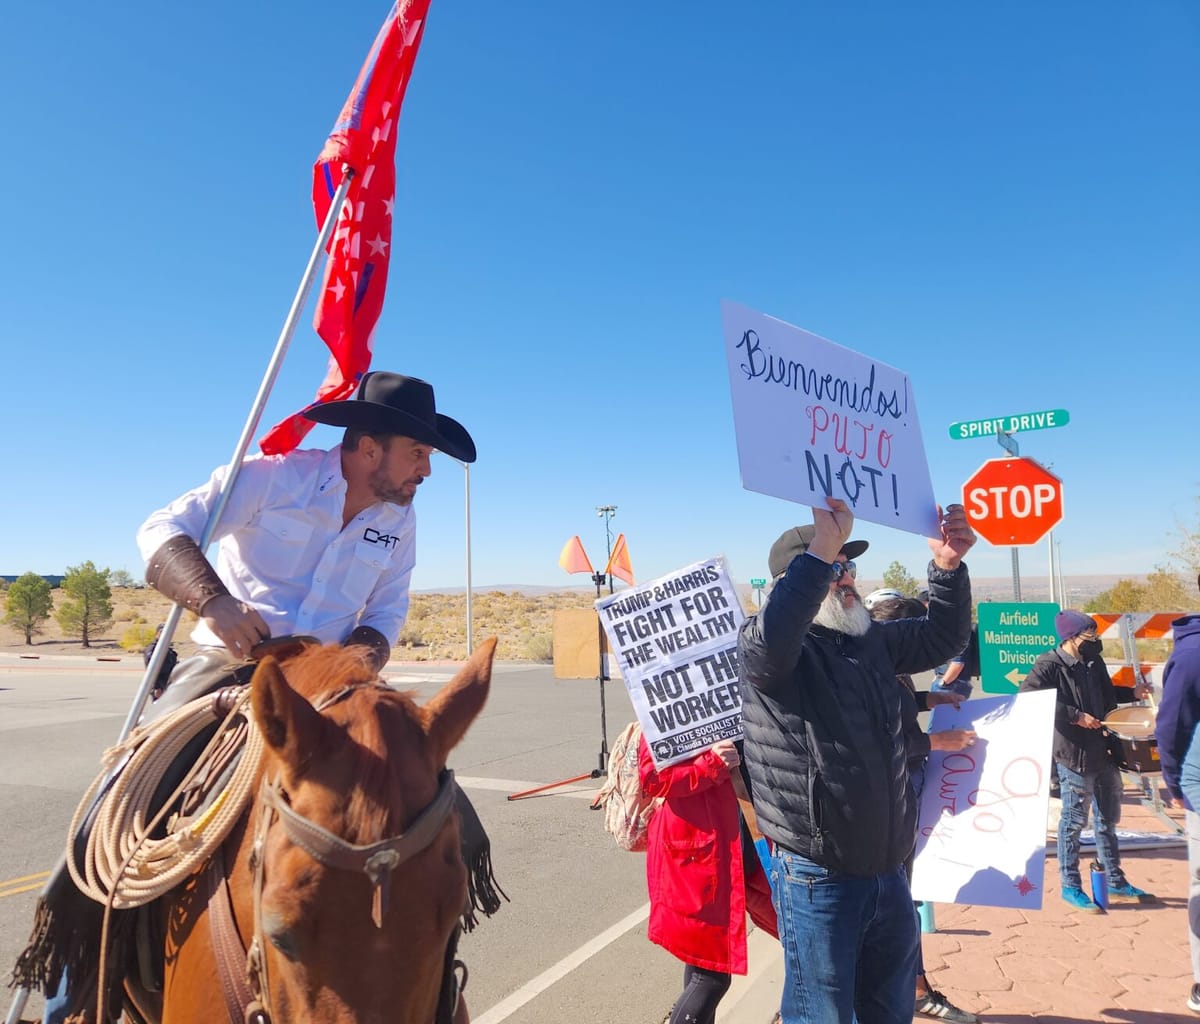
point(758, 583)
point(1009, 424)
point(1011, 636)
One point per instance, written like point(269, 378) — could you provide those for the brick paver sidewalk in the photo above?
point(1062, 966)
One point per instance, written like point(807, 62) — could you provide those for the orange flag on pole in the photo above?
point(574, 558)
point(618, 563)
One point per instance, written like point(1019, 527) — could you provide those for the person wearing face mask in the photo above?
point(1087, 775)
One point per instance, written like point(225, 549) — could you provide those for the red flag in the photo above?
point(618, 562)
point(364, 141)
point(574, 558)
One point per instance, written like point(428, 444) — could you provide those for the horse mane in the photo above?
point(377, 720)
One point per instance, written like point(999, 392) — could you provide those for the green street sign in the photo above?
point(1011, 636)
point(758, 583)
point(1009, 424)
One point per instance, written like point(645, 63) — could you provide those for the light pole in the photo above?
point(467, 492)
point(607, 511)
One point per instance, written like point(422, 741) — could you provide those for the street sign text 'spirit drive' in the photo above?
point(1009, 424)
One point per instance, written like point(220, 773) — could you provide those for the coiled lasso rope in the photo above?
point(122, 865)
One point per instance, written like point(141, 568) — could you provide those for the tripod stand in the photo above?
point(602, 677)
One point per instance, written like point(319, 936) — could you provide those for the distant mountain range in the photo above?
point(1080, 589)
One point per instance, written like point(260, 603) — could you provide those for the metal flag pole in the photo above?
point(248, 432)
point(21, 994)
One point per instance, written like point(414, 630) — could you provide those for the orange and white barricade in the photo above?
point(1129, 627)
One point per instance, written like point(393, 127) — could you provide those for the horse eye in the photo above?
point(280, 935)
point(285, 942)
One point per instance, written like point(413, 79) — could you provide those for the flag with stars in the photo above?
point(363, 144)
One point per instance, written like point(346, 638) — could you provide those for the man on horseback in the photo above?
point(313, 542)
point(319, 543)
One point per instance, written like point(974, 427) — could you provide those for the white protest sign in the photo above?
point(981, 832)
point(816, 420)
point(675, 639)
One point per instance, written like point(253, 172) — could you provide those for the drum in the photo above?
point(1133, 729)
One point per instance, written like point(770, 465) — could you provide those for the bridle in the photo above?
point(246, 984)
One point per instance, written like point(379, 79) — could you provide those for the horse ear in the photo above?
point(290, 726)
point(452, 710)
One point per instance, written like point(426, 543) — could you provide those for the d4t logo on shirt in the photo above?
point(373, 536)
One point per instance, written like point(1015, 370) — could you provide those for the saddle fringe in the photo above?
point(483, 890)
point(58, 944)
point(42, 961)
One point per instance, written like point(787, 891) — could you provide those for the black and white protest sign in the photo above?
point(675, 640)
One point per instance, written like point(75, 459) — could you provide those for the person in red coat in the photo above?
point(701, 886)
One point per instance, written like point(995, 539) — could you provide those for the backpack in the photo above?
point(627, 810)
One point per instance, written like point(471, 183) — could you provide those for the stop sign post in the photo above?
point(1013, 502)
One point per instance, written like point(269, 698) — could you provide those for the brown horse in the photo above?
point(346, 872)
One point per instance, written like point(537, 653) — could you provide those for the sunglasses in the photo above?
point(840, 569)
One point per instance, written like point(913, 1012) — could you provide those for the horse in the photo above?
point(337, 897)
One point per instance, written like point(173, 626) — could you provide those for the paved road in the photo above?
point(570, 946)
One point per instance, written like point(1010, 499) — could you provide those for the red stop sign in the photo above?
point(1011, 502)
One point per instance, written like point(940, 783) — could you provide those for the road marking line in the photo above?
point(24, 878)
point(535, 987)
point(15, 892)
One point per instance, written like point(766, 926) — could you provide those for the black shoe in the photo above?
point(936, 1006)
point(1194, 999)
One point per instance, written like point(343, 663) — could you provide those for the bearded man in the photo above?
point(315, 542)
point(825, 749)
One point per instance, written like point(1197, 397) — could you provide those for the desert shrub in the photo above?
point(137, 637)
point(539, 647)
point(410, 636)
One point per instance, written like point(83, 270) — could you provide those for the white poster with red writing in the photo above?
point(816, 420)
point(981, 832)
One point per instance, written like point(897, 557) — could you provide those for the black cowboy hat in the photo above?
point(390, 403)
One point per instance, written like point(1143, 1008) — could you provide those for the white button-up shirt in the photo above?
point(282, 548)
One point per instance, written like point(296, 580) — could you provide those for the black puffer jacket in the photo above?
point(1082, 687)
point(822, 714)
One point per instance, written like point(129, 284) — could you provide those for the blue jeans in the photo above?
point(1101, 789)
point(849, 943)
point(57, 1003)
point(1189, 784)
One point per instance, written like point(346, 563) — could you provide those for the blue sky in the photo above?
point(998, 199)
